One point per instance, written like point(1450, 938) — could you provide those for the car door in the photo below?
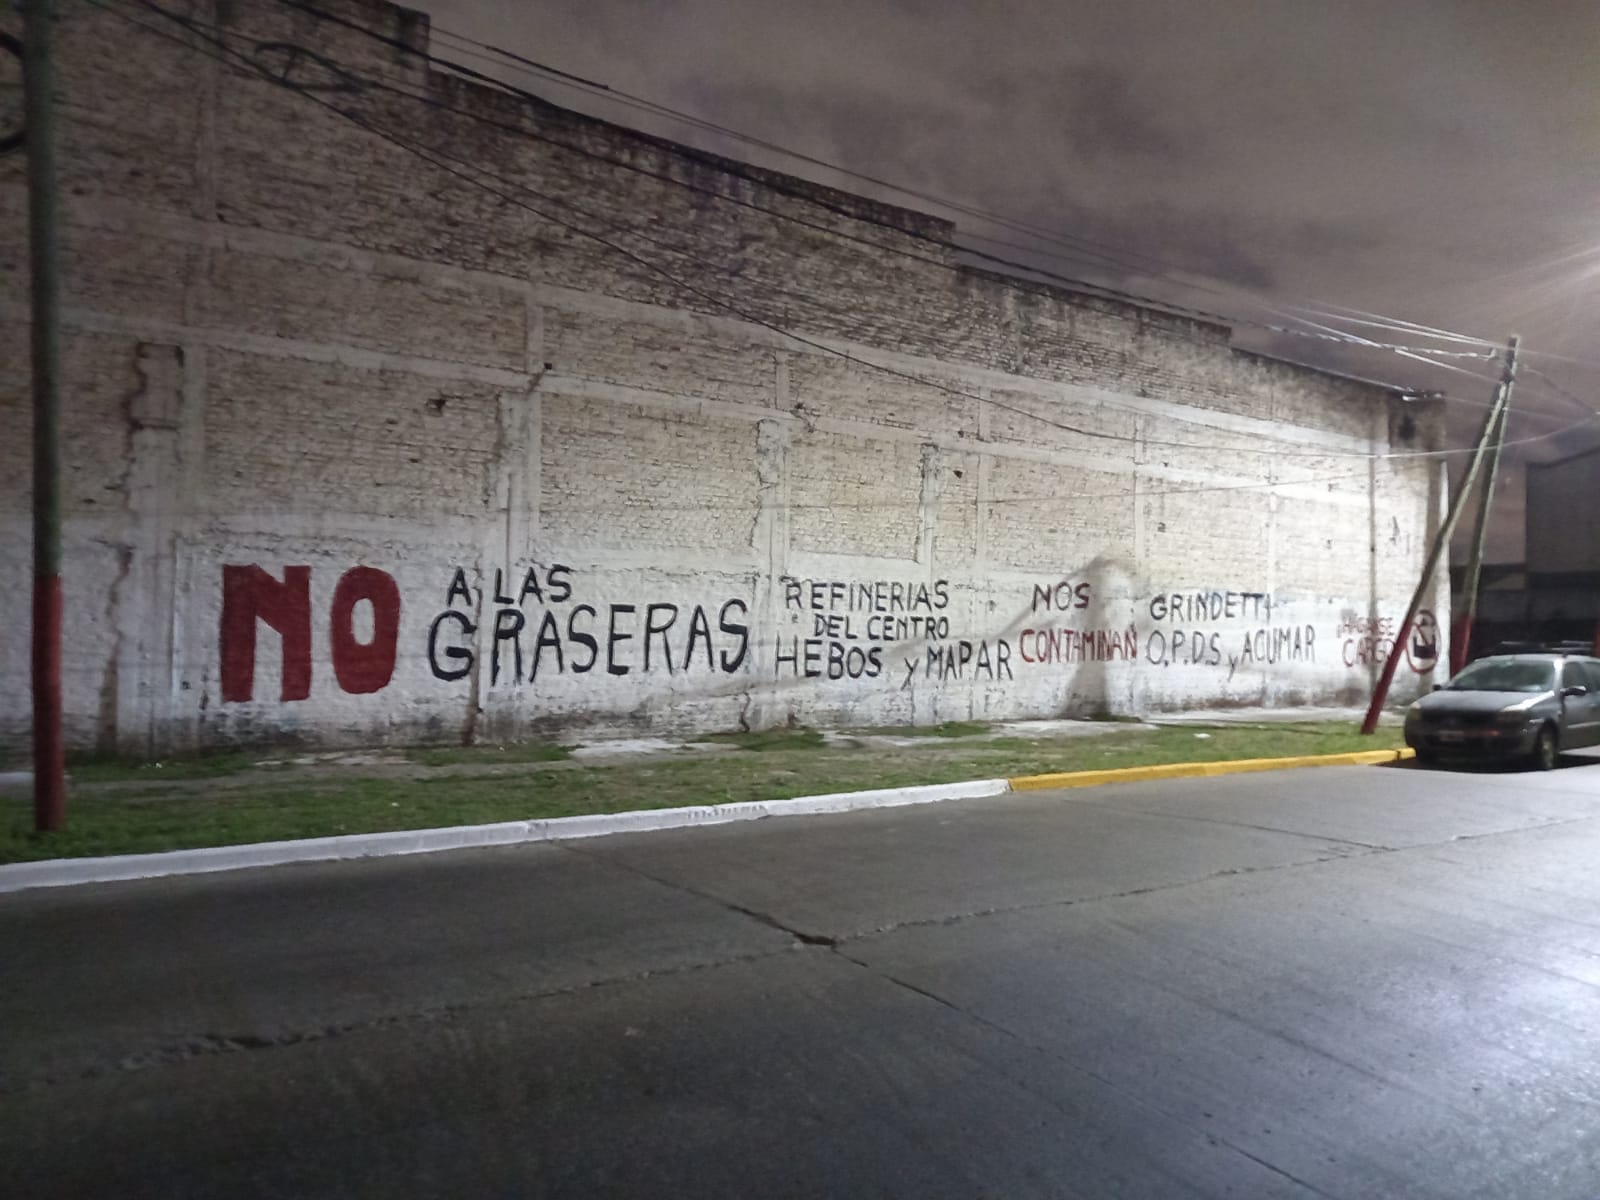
point(1591, 671)
point(1580, 714)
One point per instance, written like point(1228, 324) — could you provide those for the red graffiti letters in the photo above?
point(250, 594)
point(362, 667)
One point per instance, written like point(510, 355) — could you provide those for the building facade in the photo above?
point(1554, 595)
point(399, 408)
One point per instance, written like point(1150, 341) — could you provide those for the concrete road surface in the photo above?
point(1360, 982)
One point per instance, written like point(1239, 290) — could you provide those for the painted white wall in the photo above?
point(958, 498)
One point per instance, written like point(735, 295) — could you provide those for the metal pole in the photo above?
point(38, 87)
point(1441, 541)
point(1461, 638)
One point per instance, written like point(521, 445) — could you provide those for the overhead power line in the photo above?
point(1124, 258)
point(470, 174)
point(1319, 332)
point(1070, 248)
point(1119, 257)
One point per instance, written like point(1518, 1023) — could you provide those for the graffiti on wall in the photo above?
point(1369, 641)
point(1217, 628)
point(847, 624)
point(536, 620)
point(537, 626)
point(849, 627)
point(251, 596)
point(1366, 640)
point(1058, 642)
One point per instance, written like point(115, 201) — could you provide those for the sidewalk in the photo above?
point(246, 797)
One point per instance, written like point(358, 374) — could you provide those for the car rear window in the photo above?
point(1505, 675)
point(1591, 671)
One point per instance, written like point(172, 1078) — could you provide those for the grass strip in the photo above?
point(264, 807)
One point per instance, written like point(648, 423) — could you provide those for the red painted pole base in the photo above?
point(1385, 679)
point(49, 753)
point(1460, 643)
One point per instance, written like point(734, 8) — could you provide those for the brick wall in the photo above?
point(358, 450)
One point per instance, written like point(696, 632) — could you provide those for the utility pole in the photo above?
point(1441, 543)
point(1461, 637)
point(38, 90)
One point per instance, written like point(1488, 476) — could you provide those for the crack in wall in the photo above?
point(107, 725)
point(147, 406)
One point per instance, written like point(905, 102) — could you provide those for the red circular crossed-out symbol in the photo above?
point(1422, 643)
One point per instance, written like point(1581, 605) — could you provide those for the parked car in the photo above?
point(1529, 707)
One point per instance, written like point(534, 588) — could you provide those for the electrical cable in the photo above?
point(1321, 332)
point(1035, 231)
point(1119, 256)
point(737, 170)
point(1348, 314)
point(427, 154)
point(1586, 405)
point(485, 52)
point(1356, 316)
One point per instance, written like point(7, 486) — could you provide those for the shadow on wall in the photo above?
point(1090, 688)
point(1069, 627)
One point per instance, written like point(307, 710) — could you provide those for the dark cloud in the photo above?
point(1101, 113)
point(1437, 160)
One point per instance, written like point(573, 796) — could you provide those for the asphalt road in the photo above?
point(1359, 982)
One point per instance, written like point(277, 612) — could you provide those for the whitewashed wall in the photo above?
point(355, 455)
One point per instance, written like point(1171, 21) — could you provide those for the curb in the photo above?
point(67, 872)
point(1076, 779)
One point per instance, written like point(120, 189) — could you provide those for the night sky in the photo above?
point(1428, 160)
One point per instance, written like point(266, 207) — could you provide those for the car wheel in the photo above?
point(1426, 757)
point(1544, 750)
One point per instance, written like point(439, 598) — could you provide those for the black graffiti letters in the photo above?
point(1210, 606)
point(1266, 646)
point(556, 587)
point(818, 658)
point(850, 627)
point(582, 637)
point(951, 660)
point(877, 596)
point(508, 623)
point(1285, 643)
point(613, 667)
point(734, 629)
point(1179, 647)
point(844, 614)
point(457, 656)
point(528, 635)
point(1064, 595)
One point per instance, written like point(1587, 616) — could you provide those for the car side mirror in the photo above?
point(1576, 689)
point(1438, 687)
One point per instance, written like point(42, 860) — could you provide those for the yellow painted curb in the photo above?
point(1075, 779)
